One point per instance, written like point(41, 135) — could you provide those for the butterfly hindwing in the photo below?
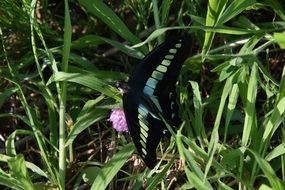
point(152, 91)
point(145, 129)
point(169, 105)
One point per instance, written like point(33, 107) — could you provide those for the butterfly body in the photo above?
point(152, 92)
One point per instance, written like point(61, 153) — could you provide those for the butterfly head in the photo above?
point(122, 86)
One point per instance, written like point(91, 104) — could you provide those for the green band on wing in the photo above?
point(144, 151)
point(151, 82)
point(173, 51)
point(143, 119)
point(142, 110)
point(157, 75)
point(169, 57)
point(178, 45)
point(148, 90)
point(143, 137)
point(166, 62)
point(143, 144)
point(144, 133)
point(161, 68)
point(144, 126)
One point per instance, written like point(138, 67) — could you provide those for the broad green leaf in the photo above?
point(250, 112)
point(274, 121)
point(218, 29)
point(233, 97)
point(104, 76)
point(197, 19)
point(196, 181)
point(231, 159)
point(20, 117)
point(19, 171)
point(251, 43)
point(218, 14)
point(264, 187)
point(190, 161)
point(235, 8)
point(159, 32)
point(96, 40)
point(89, 114)
point(215, 133)
point(229, 30)
point(124, 48)
point(8, 181)
point(100, 10)
point(110, 169)
point(4, 95)
point(82, 62)
point(197, 100)
point(154, 180)
point(244, 22)
point(280, 39)
point(86, 80)
point(270, 174)
point(87, 175)
point(10, 145)
point(223, 186)
point(29, 165)
point(198, 151)
point(187, 185)
point(165, 7)
point(282, 86)
point(215, 8)
point(276, 116)
point(276, 152)
point(90, 174)
point(87, 40)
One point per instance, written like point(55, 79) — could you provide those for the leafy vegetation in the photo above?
point(60, 63)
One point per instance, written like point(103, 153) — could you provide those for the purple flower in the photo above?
point(118, 120)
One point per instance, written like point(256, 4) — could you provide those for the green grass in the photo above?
point(59, 67)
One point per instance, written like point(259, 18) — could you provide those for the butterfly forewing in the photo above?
point(152, 91)
point(162, 64)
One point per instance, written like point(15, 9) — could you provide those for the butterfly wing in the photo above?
point(152, 90)
point(157, 74)
point(145, 129)
point(163, 64)
point(166, 88)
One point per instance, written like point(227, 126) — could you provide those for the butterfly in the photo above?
point(151, 91)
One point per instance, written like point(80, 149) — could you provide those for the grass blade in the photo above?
point(268, 171)
point(214, 9)
point(86, 80)
point(111, 168)
point(249, 122)
point(88, 115)
point(19, 171)
point(99, 9)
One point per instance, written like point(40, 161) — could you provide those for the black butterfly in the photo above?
point(152, 91)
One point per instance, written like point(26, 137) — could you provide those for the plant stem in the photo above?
point(62, 99)
point(156, 19)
